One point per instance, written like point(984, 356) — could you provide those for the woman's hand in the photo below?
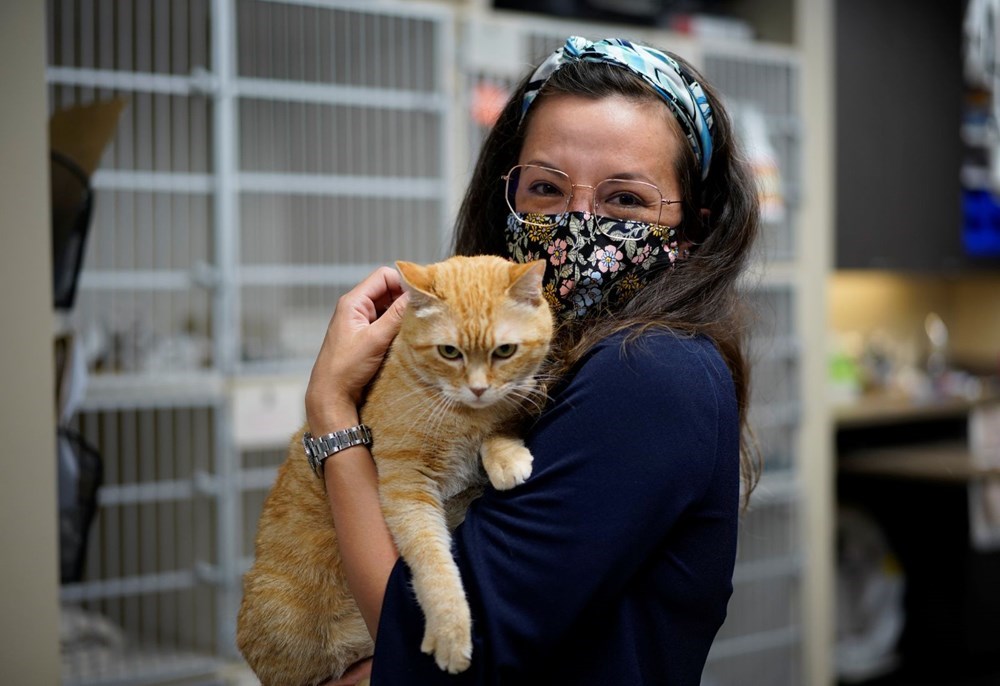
point(354, 675)
point(363, 325)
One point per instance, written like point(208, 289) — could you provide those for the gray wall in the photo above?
point(29, 649)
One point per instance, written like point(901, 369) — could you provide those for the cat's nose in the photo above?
point(478, 390)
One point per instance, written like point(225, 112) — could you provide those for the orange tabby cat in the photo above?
point(473, 337)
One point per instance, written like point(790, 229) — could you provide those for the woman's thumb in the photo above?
point(386, 327)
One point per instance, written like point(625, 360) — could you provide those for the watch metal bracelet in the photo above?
point(318, 448)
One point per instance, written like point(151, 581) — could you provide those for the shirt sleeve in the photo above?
point(623, 451)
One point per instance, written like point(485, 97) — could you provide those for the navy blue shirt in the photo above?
point(613, 562)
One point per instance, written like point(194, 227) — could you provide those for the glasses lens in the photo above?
point(538, 190)
point(634, 201)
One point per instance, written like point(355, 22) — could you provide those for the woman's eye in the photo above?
point(504, 351)
point(449, 352)
point(543, 188)
point(625, 200)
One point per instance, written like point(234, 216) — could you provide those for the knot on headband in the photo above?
point(676, 86)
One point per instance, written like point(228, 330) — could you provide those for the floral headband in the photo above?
point(678, 89)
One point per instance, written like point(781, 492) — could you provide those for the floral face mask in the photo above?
point(591, 262)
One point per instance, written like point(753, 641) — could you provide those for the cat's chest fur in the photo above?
point(423, 434)
point(464, 468)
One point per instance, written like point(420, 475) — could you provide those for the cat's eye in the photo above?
point(449, 352)
point(504, 351)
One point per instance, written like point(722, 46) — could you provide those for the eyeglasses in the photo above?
point(533, 191)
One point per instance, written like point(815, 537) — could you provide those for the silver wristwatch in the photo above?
point(318, 448)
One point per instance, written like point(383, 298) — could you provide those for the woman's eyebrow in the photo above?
point(625, 175)
point(543, 163)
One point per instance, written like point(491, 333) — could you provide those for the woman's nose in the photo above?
point(583, 198)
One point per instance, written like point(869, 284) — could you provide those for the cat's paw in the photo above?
point(507, 462)
point(449, 639)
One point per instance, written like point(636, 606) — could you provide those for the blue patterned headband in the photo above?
point(678, 89)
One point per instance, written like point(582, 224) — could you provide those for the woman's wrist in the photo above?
point(327, 415)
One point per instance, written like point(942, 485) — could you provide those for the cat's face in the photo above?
point(476, 328)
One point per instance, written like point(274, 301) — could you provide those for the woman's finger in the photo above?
point(382, 283)
point(385, 328)
point(373, 296)
point(394, 291)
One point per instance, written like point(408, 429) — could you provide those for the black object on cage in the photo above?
point(81, 472)
point(72, 205)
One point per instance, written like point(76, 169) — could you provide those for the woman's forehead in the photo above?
point(609, 135)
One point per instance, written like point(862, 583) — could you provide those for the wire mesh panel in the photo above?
point(343, 163)
point(143, 607)
point(762, 639)
point(774, 356)
point(142, 308)
point(343, 159)
point(760, 643)
point(269, 155)
point(760, 88)
point(259, 469)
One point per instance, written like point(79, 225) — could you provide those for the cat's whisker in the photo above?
point(537, 401)
point(535, 383)
point(419, 412)
point(434, 414)
point(428, 412)
point(438, 412)
point(547, 378)
point(522, 393)
point(404, 398)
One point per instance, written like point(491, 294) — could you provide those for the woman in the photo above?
point(613, 563)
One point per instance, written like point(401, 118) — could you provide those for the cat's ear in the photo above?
point(526, 282)
point(416, 276)
point(418, 281)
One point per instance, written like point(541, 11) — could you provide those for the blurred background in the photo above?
point(190, 185)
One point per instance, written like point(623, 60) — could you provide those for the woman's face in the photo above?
point(597, 263)
point(611, 137)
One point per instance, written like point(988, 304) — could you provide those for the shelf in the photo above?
point(322, 93)
point(882, 410)
point(152, 391)
point(942, 462)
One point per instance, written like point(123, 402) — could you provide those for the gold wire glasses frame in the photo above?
point(534, 193)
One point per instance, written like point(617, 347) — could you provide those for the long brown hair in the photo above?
point(698, 295)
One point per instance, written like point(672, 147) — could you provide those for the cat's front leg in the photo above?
point(506, 460)
point(414, 513)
